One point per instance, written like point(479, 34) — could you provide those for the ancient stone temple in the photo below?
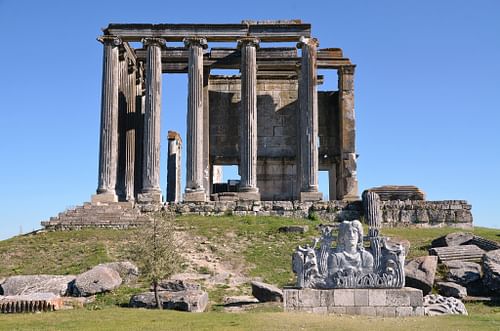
point(269, 120)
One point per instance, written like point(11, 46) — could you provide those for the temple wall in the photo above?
point(277, 107)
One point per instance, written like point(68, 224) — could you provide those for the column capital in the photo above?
point(312, 42)
point(153, 42)
point(107, 39)
point(347, 69)
point(195, 41)
point(251, 41)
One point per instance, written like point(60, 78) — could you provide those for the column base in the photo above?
point(249, 195)
point(195, 196)
point(105, 197)
point(351, 198)
point(149, 198)
point(310, 196)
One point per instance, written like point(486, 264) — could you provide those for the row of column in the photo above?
point(307, 158)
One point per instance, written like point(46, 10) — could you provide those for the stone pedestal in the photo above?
point(195, 196)
point(373, 302)
point(310, 196)
point(249, 195)
point(106, 197)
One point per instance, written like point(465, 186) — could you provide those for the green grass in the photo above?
point(253, 243)
point(139, 319)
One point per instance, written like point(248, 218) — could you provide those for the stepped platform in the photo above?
point(119, 215)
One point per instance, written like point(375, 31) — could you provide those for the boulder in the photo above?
point(435, 305)
point(266, 292)
point(29, 284)
point(189, 300)
point(420, 273)
point(491, 270)
point(239, 300)
point(176, 285)
point(97, 280)
point(453, 239)
point(463, 272)
point(127, 270)
point(449, 289)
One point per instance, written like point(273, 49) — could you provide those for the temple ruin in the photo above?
point(270, 120)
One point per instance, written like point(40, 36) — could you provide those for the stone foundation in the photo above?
point(373, 302)
point(454, 213)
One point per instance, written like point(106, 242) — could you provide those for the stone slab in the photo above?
point(311, 196)
point(369, 302)
point(195, 196)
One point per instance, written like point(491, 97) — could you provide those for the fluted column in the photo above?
point(248, 119)
point(194, 142)
point(308, 125)
point(130, 152)
point(108, 147)
point(151, 191)
point(347, 180)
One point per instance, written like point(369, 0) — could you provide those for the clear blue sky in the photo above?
point(427, 93)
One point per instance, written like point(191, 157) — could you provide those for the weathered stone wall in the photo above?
point(277, 109)
point(455, 213)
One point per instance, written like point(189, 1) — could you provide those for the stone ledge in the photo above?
point(372, 302)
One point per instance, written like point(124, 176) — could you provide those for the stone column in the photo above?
point(347, 181)
point(308, 121)
point(151, 192)
point(194, 149)
point(108, 149)
point(130, 152)
point(248, 119)
point(174, 167)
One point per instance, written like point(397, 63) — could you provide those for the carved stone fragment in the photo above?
point(435, 305)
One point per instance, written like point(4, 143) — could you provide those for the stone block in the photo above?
point(196, 196)
point(404, 311)
point(311, 196)
point(353, 310)
point(149, 198)
point(337, 310)
point(416, 297)
point(104, 198)
point(361, 297)
point(397, 297)
point(386, 311)
point(309, 297)
point(249, 196)
point(290, 299)
point(368, 311)
point(320, 310)
point(327, 298)
point(344, 297)
point(377, 297)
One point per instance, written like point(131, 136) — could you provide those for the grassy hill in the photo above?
point(250, 246)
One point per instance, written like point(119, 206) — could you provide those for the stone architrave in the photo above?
point(308, 122)
point(151, 191)
point(194, 145)
point(248, 119)
point(108, 147)
point(347, 188)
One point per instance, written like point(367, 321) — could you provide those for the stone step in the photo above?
point(486, 244)
point(458, 253)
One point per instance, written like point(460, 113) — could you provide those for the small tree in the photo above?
point(156, 251)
